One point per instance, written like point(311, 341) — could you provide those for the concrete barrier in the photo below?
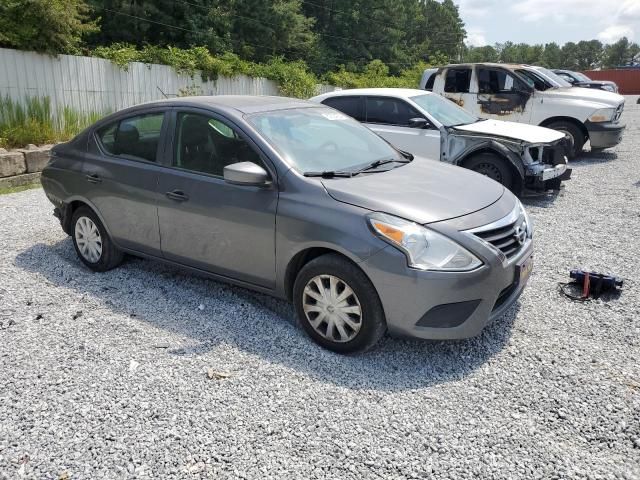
point(23, 166)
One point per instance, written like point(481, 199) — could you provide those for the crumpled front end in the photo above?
point(541, 165)
point(546, 165)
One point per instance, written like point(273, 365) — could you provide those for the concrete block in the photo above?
point(12, 163)
point(20, 180)
point(36, 158)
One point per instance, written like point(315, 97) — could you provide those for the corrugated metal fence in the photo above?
point(90, 84)
point(628, 79)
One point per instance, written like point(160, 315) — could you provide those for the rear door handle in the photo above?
point(93, 178)
point(177, 195)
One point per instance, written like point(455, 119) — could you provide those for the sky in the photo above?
point(542, 21)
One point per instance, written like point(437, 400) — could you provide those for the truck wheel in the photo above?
point(337, 305)
point(492, 166)
point(576, 137)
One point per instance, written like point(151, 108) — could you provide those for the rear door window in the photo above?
point(351, 106)
point(134, 137)
point(390, 111)
point(457, 80)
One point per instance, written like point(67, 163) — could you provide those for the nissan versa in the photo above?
point(299, 201)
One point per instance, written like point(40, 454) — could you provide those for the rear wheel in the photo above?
point(337, 305)
point(576, 137)
point(92, 242)
point(492, 166)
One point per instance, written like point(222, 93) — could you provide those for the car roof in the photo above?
point(239, 103)
point(489, 64)
point(390, 92)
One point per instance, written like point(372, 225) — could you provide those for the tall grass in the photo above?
point(33, 121)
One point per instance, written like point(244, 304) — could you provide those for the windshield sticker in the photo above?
point(334, 116)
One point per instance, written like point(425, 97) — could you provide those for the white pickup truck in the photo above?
point(533, 95)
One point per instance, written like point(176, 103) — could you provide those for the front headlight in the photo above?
point(529, 225)
point(609, 88)
point(602, 115)
point(424, 248)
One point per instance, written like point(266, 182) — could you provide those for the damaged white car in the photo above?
point(521, 157)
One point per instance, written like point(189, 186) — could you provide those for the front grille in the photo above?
point(508, 238)
point(619, 111)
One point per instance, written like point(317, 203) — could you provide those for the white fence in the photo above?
point(90, 84)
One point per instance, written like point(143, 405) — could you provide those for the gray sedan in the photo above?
point(299, 201)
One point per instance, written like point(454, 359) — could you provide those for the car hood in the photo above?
point(513, 130)
point(609, 99)
point(423, 191)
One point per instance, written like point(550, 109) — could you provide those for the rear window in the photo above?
point(430, 82)
point(351, 106)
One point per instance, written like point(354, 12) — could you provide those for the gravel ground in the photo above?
point(148, 372)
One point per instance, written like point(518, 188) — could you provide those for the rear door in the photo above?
point(121, 173)
point(389, 117)
point(206, 222)
point(458, 87)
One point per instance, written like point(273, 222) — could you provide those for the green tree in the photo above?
point(481, 54)
point(49, 26)
point(552, 56)
point(620, 53)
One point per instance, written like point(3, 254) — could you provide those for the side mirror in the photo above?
point(419, 123)
point(246, 173)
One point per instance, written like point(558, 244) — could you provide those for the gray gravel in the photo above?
point(148, 372)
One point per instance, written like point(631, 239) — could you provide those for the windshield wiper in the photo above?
point(329, 174)
point(379, 163)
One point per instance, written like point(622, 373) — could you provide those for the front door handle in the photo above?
point(93, 178)
point(177, 195)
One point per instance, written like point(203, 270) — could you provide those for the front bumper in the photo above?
point(445, 305)
point(604, 135)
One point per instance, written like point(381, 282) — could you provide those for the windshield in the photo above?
point(444, 111)
point(321, 139)
point(554, 78)
point(581, 76)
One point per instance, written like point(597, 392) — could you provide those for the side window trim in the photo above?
point(119, 120)
point(172, 139)
point(395, 99)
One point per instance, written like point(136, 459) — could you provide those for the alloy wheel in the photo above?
point(332, 308)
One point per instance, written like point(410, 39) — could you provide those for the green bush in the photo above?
point(293, 78)
point(33, 121)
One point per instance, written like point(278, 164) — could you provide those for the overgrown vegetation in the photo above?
point(33, 121)
point(48, 26)
point(583, 55)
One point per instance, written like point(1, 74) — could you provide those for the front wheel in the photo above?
point(337, 305)
point(92, 242)
point(492, 166)
point(575, 135)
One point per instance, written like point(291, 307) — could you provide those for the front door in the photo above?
point(389, 117)
point(205, 222)
point(502, 95)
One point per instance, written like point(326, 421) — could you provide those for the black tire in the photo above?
point(553, 184)
point(492, 166)
point(573, 131)
point(372, 320)
point(110, 257)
